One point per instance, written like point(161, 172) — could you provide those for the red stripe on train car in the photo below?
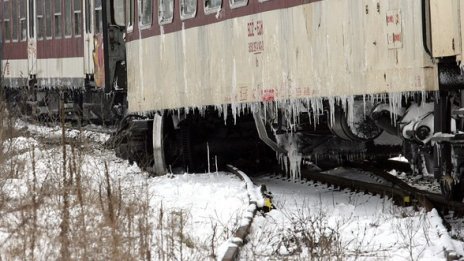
point(60, 48)
point(46, 49)
point(15, 51)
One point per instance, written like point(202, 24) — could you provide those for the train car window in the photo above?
point(40, 20)
point(22, 20)
point(98, 16)
point(14, 20)
point(238, 3)
point(188, 9)
point(212, 6)
point(118, 6)
point(48, 18)
point(67, 18)
point(77, 17)
point(166, 10)
point(31, 19)
point(6, 21)
point(57, 18)
point(130, 14)
point(145, 12)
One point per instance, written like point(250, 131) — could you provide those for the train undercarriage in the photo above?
point(426, 128)
point(88, 105)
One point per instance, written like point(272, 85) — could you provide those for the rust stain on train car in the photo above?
point(99, 61)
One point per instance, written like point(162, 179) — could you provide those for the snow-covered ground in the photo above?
point(312, 221)
point(104, 208)
point(115, 210)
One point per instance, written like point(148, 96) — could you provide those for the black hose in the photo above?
point(425, 17)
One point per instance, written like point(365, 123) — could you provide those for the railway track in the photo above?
point(382, 183)
point(365, 178)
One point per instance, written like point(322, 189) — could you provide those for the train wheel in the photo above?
point(168, 149)
point(158, 145)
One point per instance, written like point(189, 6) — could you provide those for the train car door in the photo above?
point(1, 51)
point(88, 38)
point(31, 39)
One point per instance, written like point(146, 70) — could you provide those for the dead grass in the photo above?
point(73, 211)
point(62, 214)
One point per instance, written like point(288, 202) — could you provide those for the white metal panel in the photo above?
point(15, 68)
point(32, 41)
point(461, 12)
point(60, 72)
point(326, 48)
point(60, 68)
point(445, 27)
point(88, 38)
point(15, 72)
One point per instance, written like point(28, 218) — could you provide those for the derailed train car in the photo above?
point(329, 77)
point(54, 50)
point(213, 80)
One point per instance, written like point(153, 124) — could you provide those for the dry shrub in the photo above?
point(64, 214)
point(69, 212)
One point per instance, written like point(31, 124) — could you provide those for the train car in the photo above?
point(54, 50)
point(214, 81)
point(315, 78)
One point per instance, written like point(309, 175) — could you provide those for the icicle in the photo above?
point(207, 155)
point(184, 56)
point(234, 91)
point(364, 105)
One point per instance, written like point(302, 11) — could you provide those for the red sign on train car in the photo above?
point(268, 95)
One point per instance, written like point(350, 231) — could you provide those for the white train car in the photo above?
point(251, 51)
point(333, 72)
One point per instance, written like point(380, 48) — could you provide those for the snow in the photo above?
point(194, 216)
point(199, 210)
point(360, 226)
point(400, 158)
point(55, 132)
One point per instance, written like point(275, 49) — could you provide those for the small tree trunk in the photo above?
point(64, 226)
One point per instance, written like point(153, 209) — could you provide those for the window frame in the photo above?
point(162, 20)
point(77, 22)
point(40, 6)
point(68, 19)
point(14, 22)
point(49, 25)
point(141, 13)
point(238, 3)
point(211, 10)
point(58, 15)
point(22, 20)
point(184, 16)
point(97, 22)
point(119, 8)
point(6, 21)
